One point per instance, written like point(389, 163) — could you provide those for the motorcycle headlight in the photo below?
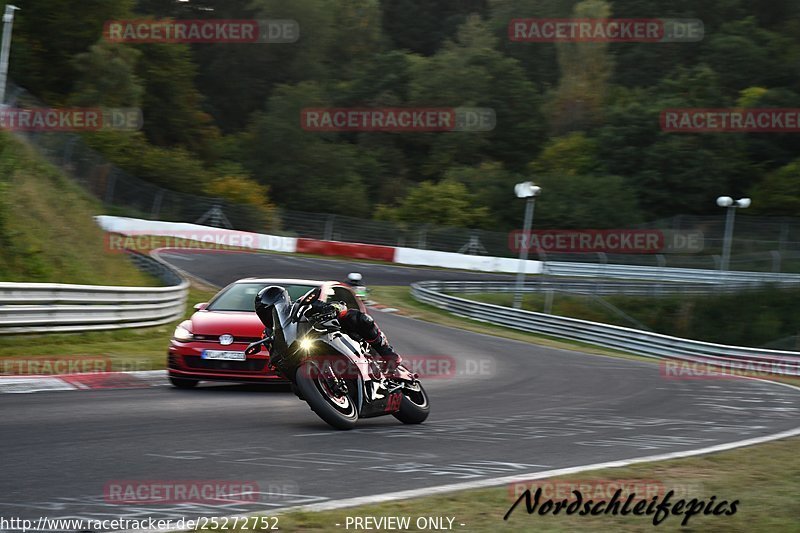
point(306, 344)
point(182, 334)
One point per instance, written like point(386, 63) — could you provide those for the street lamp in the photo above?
point(529, 191)
point(730, 204)
point(8, 24)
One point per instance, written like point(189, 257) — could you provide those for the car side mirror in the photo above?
point(201, 306)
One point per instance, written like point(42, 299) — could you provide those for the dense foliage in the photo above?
point(582, 119)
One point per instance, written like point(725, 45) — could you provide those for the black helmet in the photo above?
point(268, 297)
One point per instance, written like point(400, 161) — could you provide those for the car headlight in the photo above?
point(306, 344)
point(182, 334)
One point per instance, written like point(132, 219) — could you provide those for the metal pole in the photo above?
point(5, 50)
point(726, 244)
point(548, 302)
point(523, 252)
point(328, 236)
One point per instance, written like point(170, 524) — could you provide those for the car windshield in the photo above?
point(240, 296)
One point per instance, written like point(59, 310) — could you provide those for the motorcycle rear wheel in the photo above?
point(338, 410)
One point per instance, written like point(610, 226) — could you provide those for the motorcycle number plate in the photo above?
point(223, 355)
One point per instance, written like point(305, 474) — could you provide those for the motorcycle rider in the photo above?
point(354, 322)
point(360, 326)
point(355, 281)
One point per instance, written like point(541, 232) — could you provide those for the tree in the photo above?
point(572, 155)
point(106, 77)
point(172, 105)
point(357, 36)
point(672, 173)
point(744, 55)
point(779, 192)
point(305, 170)
point(586, 202)
point(171, 168)
point(537, 60)
point(492, 186)
point(770, 151)
point(469, 72)
point(577, 102)
point(576, 191)
point(335, 39)
point(49, 33)
point(630, 127)
point(234, 186)
point(447, 203)
point(422, 26)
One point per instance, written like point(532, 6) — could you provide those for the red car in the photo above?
point(210, 345)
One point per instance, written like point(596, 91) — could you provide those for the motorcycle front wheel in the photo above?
point(324, 393)
point(414, 407)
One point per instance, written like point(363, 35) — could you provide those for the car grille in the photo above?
point(215, 338)
point(252, 365)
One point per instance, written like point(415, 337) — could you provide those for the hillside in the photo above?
point(47, 233)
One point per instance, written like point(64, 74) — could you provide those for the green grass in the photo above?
point(127, 349)
point(765, 479)
point(771, 313)
point(47, 233)
point(574, 306)
point(400, 297)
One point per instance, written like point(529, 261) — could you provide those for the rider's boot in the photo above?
point(391, 359)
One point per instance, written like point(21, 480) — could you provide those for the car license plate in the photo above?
point(223, 355)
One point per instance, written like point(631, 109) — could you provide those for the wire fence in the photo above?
point(766, 244)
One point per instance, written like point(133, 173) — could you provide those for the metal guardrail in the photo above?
point(610, 336)
point(597, 287)
point(56, 307)
point(692, 275)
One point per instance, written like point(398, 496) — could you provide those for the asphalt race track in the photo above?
point(223, 268)
point(508, 408)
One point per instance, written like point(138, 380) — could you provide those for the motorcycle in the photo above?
point(340, 378)
point(362, 292)
point(355, 281)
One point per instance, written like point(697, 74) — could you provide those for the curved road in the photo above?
point(223, 268)
point(508, 408)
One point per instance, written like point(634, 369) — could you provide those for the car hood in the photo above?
point(236, 323)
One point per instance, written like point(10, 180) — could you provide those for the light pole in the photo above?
point(8, 24)
point(529, 191)
point(730, 204)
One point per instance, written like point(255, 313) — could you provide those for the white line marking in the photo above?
point(48, 383)
point(330, 505)
point(487, 483)
point(33, 384)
